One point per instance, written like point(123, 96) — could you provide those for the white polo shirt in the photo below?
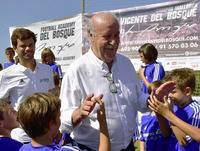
point(17, 82)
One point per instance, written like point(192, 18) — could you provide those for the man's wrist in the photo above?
point(76, 117)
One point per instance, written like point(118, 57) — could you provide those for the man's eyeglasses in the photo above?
point(112, 86)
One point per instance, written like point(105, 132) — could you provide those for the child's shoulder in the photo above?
point(190, 110)
point(29, 147)
point(7, 143)
point(26, 147)
point(192, 113)
point(194, 105)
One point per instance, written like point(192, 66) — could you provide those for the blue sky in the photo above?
point(23, 12)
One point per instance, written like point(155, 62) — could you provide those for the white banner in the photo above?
point(173, 27)
point(63, 37)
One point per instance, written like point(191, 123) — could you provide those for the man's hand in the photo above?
point(87, 106)
point(83, 111)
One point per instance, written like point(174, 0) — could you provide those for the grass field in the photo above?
point(197, 90)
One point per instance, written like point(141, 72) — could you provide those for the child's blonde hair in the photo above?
point(184, 77)
point(45, 52)
point(3, 108)
point(37, 111)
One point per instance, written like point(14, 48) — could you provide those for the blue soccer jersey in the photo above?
point(150, 133)
point(57, 69)
point(29, 147)
point(9, 144)
point(152, 72)
point(191, 115)
point(8, 64)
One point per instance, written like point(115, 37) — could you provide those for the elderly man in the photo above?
point(102, 71)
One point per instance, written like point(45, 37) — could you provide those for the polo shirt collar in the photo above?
point(23, 68)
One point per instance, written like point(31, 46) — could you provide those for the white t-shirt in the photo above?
point(17, 82)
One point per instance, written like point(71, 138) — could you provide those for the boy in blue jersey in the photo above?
point(187, 109)
point(150, 72)
point(151, 134)
point(39, 116)
point(8, 121)
point(10, 53)
point(154, 141)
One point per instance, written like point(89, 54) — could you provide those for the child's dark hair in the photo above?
point(8, 50)
point(37, 111)
point(149, 51)
point(22, 34)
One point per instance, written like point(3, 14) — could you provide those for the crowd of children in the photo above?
point(152, 133)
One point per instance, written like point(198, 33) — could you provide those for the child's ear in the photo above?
point(51, 124)
point(188, 91)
